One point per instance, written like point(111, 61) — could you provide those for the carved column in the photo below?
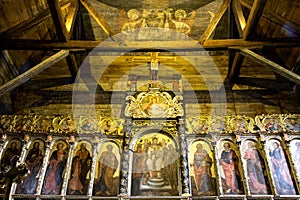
point(264, 153)
point(43, 169)
point(215, 137)
point(93, 167)
point(243, 172)
point(185, 179)
point(68, 169)
point(124, 164)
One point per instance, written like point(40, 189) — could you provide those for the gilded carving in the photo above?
point(153, 104)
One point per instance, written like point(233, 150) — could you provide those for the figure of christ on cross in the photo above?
point(153, 63)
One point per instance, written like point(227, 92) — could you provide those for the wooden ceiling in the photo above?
point(234, 40)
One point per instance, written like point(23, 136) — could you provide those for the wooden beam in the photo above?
point(62, 29)
point(58, 20)
point(71, 17)
point(275, 67)
point(72, 64)
point(101, 22)
point(21, 79)
point(253, 19)
point(213, 24)
point(236, 67)
point(83, 45)
point(239, 16)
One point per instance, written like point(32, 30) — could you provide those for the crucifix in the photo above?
point(153, 63)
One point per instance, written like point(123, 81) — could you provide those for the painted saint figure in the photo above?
point(296, 156)
point(257, 181)
point(281, 173)
point(108, 164)
point(54, 174)
point(75, 185)
point(8, 155)
point(33, 162)
point(229, 162)
point(137, 174)
point(155, 159)
point(84, 156)
point(202, 170)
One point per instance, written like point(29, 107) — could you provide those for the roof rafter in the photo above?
point(236, 66)
point(23, 78)
point(71, 17)
point(213, 24)
point(239, 17)
point(61, 29)
point(253, 19)
point(274, 66)
point(101, 22)
point(58, 20)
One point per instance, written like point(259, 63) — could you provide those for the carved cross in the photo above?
point(153, 62)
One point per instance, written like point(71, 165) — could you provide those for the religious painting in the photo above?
point(272, 124)
point(295, 153)
point(154, 166)
point(12, 150)
point(9, 157)
point(138, 23)
point(292, 124)
point(80, 174)
point(279, 168)
point(110, 126)
point(199, 125)
point(56, 167)
point(155, 106)
point(218, 124)
point(34, 162)
point(202, 169)
point(230, 172)
point(255, 168)
point(107, 170)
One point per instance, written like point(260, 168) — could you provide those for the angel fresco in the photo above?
point(255, 169)
point(33, 161)
point(280, 171)
point(55, 170)
point(231, 177)
point(201, 161)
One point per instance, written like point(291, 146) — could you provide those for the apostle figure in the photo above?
point(75, 185)
point(108, 164)
point(9, 153)
point(229, 162)
point(202, 170)
point(281, 173)
point(54, 174)
point(33, 162)
point(84, 156)
point(255, 173)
